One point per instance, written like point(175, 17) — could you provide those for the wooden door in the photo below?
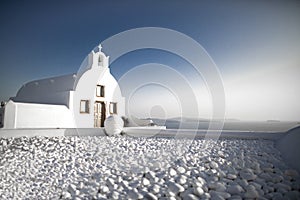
point(99, 114)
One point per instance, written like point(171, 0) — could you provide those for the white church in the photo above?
point(81, 100)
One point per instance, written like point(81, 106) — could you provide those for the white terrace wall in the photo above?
point(30, 115)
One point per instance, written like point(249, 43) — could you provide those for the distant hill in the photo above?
point(272, 120)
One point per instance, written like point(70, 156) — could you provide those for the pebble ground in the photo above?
point(143, 168)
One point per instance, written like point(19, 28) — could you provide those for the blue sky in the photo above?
point(255, 44)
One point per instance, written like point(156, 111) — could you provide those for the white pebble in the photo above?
point(72, 189)
point(201, 180)
point(110, 182)
point(236, 197)
point(235, 189)
point(267, 177)
point(115, 195)
point(175, 187)
point(155, 189)
point(186, 192)
point(133, 194)
point(291, 172)
point(190, 197)
point(217, 186)
point(282, 185)
point(247, 174)
point(172, 172)
point(99, 196)
point(181, 180)
point(150, 196)
point(277, 178)
point(198, 191)
point(252, 194)
point(67, 195)
point(231, 176)
point(181, 170)
point(213, 165)
point(150, 175)
point(104, 189)
point(277, 196)
point(224, 195)
point(145, 182)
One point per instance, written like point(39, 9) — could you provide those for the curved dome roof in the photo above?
point(37, 90)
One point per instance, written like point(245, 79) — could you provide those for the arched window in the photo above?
point(84, 106)
point(100, 60)
point(100, 91)
point(113, 108)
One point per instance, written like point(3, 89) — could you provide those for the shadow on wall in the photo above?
point(289, 146)
point(2, 114)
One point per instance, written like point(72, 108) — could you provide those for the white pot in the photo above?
point(113, 125)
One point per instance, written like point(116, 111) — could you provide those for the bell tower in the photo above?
point(100, 58)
